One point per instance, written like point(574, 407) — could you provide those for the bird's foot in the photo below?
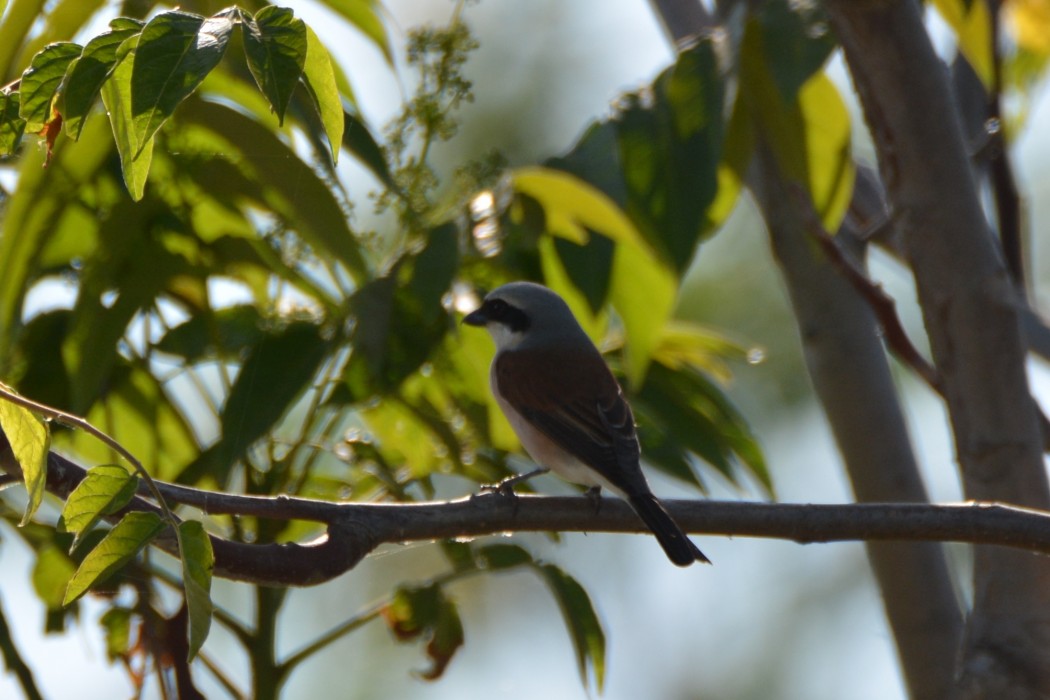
point(506, 486)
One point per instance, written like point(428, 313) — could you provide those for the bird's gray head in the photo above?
point(524, 313)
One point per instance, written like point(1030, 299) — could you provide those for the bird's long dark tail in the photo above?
point(679, 548)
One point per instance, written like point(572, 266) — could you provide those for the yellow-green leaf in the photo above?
point(319, 76)
point(30, 440)
point(51, 574)
point(828, 149)
point(642, 287)
point(973, 28)
point(573, 207)
point(643, 291)
point(115, 550)
point(105, 490)
point(135, 156)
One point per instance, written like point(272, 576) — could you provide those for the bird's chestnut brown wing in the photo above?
point(573, 399)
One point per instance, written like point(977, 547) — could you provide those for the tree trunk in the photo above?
point(851, 376)
point(972, 318)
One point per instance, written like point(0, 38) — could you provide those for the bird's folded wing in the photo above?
point(573, 399)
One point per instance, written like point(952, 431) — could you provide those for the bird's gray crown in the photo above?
point(547, 316)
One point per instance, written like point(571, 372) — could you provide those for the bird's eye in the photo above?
point(497, 307)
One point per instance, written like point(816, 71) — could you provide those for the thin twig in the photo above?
point(221, 677)
point(333, 635)
point(77, 423)
point(881, 303)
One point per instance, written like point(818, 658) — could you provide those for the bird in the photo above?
point(565, 405)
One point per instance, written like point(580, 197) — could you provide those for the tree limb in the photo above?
point(355, 529)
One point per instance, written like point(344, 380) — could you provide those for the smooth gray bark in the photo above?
point(851, 377)
point(973, 320)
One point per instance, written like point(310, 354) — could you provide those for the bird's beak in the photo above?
point(476, 318)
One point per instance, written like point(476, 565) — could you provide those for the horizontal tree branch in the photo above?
point(356, 529)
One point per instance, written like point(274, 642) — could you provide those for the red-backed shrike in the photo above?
point(565, 405)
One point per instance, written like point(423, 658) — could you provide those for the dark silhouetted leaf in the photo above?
point(86, 75)
point(358, 139)
point(503, 556)
point(175, 52)
point(275, 44)
point(585, 630)
point(797, 41)
point(681, 413)
point(400, 317)
point(425, 613)
point(224, 333)
point(276, 372)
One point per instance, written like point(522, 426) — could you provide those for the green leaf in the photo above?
point(364, 14)
point(797, 43)
point(681, 412)
point(426, 613)
point(36, 212)
point(175, 52)
point(276, 47)
point(30, 441)
point(105, 490)
point(135, 155)
point(319, 76)
point(641, 287)
point(12, 126)
point(137, 267)
point(41, 80)
point(276, 372)
point(51, 573)
point(972, 25)
point(198, 560)
point(139, 413)
point(290, 187)
point(115, 550)
point(643, 292)
point(86, 75)
point(399, 320)
point(585, 629)
point(358, 139)
point(495, 557)
point(225, 333)
point(573, 207)
point(808, 132)
point(669, 147)
point(117, 624)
